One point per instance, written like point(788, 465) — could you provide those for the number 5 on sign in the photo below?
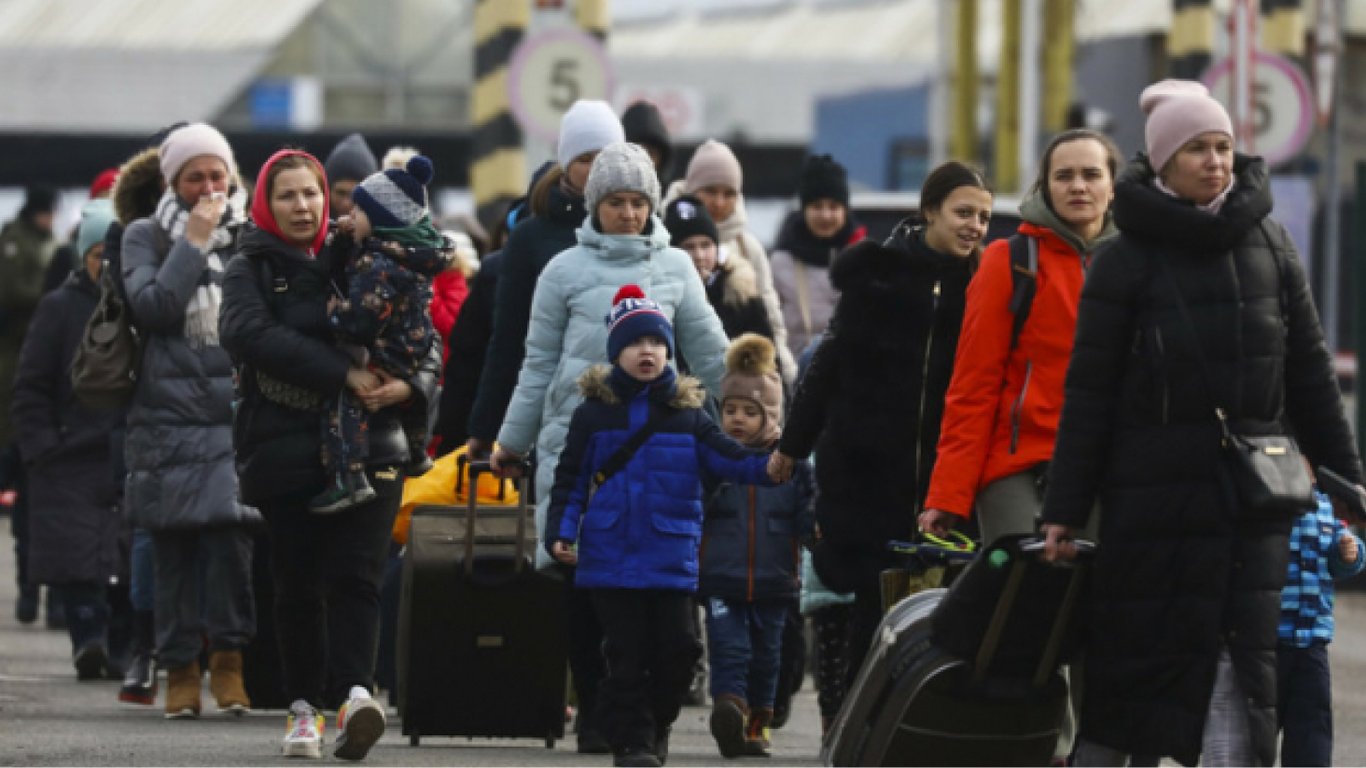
point(1283, 109)
point(549, 72)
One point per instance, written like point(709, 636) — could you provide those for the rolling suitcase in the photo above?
point(968, 675)
point(482, 637)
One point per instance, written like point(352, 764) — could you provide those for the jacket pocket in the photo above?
point(680, 518)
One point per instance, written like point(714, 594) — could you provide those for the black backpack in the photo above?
point(1024, 273)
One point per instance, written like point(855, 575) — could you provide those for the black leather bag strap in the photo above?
point(1219, 411)
point(622, 455)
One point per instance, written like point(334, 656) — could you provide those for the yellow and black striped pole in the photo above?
point(1007, 176)
point(594, 17)
point(1282, 28)
point(497, 161)
point(1190, 43)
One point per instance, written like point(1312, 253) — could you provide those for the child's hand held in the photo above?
point(1347, 547)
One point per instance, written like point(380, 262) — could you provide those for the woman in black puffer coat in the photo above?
point(871, 401)
point(1187, 587)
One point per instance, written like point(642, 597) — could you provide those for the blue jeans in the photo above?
point(142, 579)
point(744, 645)
point(1305, 709)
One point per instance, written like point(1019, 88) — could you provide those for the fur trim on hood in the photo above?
point(742, 283)
point(595, 383)
point(138, 188)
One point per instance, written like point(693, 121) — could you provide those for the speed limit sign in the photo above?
point(549, 72)
point(1283, 105)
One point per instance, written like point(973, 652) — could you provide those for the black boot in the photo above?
point(26, 607)
point(140, 679)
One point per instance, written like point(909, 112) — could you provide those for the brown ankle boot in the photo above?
point(727, 723)
point(225, 682)
point(756, 732)
point(182, 692)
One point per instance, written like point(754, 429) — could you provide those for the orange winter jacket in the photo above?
point(1002, 408)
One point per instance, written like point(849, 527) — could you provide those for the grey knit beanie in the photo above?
point(621, 167)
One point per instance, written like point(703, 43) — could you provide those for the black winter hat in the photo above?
point(822, 177)
point(687, 216)
point(645, 126)
point(350, 160)
point(38, 198)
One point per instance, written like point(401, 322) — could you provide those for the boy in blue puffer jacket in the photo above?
point(1322, 549)
point(638, 528)
point(751, 541)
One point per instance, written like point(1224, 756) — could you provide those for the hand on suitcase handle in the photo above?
point(505, 463)
point(1059, 543)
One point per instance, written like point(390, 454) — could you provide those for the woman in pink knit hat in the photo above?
point(1198, 311)
point(714, 176)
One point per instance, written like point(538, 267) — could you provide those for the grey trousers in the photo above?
point(1011, 505)
point(203, 587)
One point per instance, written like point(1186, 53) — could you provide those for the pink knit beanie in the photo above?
point(713, 164)
point(1178, 111)
point(185, 144)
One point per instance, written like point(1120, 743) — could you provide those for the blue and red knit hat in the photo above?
point(633, 316)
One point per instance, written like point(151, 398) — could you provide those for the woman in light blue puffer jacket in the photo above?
point(568, 333)
point(573, 296)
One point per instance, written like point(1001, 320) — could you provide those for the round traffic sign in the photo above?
point(551, 70)
point(1282, 102)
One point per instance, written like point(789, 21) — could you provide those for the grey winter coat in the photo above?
point(75, 528)
point(179, 446)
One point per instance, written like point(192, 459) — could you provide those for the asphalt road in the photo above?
point(48, 718)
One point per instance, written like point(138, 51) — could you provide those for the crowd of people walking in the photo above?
point(723, 436)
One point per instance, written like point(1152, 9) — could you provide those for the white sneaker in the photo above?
point(303, 731)
point(360, 723)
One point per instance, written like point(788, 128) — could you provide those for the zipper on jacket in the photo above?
point(1162, 369)
point(924, 384)
point(1018, 408)
point(749, 589)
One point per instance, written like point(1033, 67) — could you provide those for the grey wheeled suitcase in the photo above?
point(996, 698)
point(482, 638)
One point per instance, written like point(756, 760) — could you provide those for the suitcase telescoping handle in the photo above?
point(477, 468)
point(987, 650)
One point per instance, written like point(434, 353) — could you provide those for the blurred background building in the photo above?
point(889, 87)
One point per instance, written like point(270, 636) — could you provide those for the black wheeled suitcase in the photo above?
point(482, 638)
point(968, 675)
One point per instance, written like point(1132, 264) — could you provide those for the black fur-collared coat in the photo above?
point(871, 400)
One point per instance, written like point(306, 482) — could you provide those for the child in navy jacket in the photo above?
point(751, 544)
point(637, 530)
point(1321, 549)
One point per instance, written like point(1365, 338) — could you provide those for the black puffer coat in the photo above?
point(76, 527)
point(531, 246)
point(874, 396)
point(281, 331)
point(1181, 573)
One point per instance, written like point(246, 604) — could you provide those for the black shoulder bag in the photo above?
point(1267, 473)
point(622, 455)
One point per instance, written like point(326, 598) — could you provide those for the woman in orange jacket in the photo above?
point(1005, 398)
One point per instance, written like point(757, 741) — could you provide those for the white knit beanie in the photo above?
point(621, 167)
point(191, 141)
point(713, 164)
point(588, 126)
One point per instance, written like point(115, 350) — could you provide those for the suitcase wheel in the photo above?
point(414, 740)
point(550, 742)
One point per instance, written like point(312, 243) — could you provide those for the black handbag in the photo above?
point(1264, 475)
